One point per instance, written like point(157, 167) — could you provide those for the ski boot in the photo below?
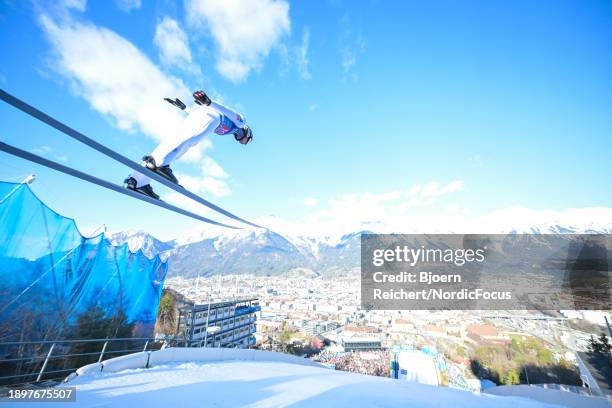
point(164, 171)
point(131, 184)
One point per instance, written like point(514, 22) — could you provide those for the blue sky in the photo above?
point(362, 111)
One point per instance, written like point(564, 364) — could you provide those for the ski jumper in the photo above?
point(200, 123)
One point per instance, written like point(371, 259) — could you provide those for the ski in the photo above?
point(67, 130)
point(176, 102)
point(103, 183)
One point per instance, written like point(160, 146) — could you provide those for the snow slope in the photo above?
point(417, 366)
point(266, 384)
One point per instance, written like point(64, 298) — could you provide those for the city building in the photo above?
point(221, 324)
point(314, 328)
point(269, 324)
point(403, 326)
point(485, 334)
point(435, 331)
point(361, 344)
point(361, 329)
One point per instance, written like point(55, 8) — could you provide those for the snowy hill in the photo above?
point(227, 377)
point(233, 383)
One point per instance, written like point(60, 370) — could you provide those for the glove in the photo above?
point(201, 98)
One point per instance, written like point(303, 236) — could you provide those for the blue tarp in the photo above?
point(50, 274)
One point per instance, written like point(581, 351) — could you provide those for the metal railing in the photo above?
point(37, 362)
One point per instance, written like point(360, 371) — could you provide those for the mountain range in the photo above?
point(257, 251)
point(270, 253)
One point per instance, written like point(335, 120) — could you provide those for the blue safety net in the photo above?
point(54, 281)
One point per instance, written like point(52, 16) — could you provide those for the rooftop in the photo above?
point(435, 329)
point(482, 329)
point(219, 304)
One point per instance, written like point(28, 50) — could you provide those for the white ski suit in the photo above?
point(201, 122)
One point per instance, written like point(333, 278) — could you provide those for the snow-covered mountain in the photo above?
point(261, 251)
point(248, 251)
point(140, 240)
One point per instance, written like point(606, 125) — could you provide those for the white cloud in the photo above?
point(349, 53)
point(296, 56)
point(211, 181)
point(115, 77)
point(47, 151)
point(431, 208)
point(214, 186)
point(310, 202)
point(350, 211)
point(185, 203)
point(173, 45)
point(434, 189)
point(352, 45)
point(244, 32)
point(211, 168)
point(128, 5)
point(453, 220)
point(206, 185)
point(78, 5)
point(301, 56)
point(477, 160)
point(528, 220)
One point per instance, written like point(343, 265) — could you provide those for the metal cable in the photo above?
point(43, 117)
point(103, 183)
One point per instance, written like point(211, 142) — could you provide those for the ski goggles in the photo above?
point(244, 135)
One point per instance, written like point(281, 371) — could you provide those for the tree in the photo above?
point(511, 377)
point(604, 345)
point(601, 345)
point(545, 356)
point(166, 313)
point(95, 324)
point(593, 346)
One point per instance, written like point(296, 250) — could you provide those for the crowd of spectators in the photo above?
point(362, 362)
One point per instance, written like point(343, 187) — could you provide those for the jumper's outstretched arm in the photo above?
point(234, 116)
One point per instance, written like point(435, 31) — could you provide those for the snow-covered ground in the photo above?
point(239, 383)
point(417, 366)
